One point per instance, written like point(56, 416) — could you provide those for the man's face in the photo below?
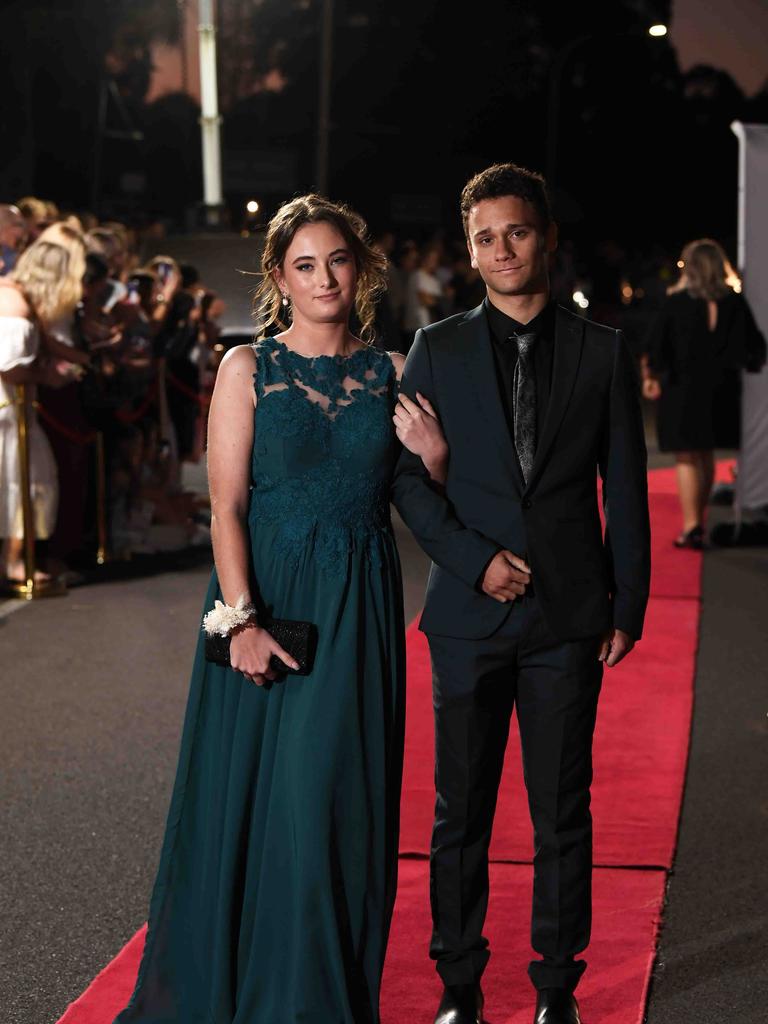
point(508, 246)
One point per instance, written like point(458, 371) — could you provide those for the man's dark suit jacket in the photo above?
point(584, 583)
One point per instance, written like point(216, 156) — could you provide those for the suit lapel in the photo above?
point(480, 367)
point(569, 340)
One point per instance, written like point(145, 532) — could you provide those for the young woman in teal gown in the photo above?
point(277, 873)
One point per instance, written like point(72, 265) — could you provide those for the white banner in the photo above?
point(752, 482)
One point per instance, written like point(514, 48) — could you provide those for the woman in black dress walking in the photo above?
point(700, 341)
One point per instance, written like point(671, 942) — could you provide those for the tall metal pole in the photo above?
point(209, 120)
point(324, 112)
point(102, 533)
point(738, 129)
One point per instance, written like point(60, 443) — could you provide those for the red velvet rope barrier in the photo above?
point(133, 415)
point(71, 435)
point(202, 400)
point(125, 416)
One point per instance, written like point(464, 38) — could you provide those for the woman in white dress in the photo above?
point(44, 288)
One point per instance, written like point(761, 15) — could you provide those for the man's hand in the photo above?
point(506, 577)
point(615, 647)
point(651, 388)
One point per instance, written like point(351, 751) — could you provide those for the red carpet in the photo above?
point(640, 752)
point(641, 745)
point(621, 954)
point(626, 916)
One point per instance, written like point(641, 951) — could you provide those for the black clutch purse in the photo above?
point(299, 639)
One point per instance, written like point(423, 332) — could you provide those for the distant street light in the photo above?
point(555, 82)
point(252, 206)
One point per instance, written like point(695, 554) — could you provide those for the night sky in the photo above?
point(423, 96)
point(732, 36)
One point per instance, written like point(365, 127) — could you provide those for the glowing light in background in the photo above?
point(252, 206)
point(657, 30)
point(581, 300)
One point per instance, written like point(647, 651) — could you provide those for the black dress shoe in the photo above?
point(461, 1004)
point(556, 1006)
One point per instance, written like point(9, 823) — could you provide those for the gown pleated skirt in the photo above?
point(277, 874)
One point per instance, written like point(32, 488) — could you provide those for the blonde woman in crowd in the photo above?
point(701, 340)
point(43, 290)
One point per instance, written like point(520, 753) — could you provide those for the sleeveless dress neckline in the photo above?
point(311, 359)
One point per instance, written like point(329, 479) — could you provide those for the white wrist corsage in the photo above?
point(222, 619)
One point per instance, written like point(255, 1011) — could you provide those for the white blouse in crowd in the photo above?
point(416, 313)
point(19, 344)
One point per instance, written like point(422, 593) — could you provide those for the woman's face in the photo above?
point(319, 274)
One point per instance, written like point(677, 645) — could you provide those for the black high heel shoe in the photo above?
point(693, 538)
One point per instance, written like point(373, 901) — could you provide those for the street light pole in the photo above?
point(324, 111)
point(209, 119)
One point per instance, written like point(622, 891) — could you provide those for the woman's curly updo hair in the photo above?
point(314, 209)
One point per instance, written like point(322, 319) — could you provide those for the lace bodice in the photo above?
point(323, 452)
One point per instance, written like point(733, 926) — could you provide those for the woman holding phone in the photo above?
point(277, 875)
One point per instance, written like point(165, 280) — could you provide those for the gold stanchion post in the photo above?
point(31, 588)
point(102, 552)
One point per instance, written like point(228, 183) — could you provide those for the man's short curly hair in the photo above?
point(507, 180)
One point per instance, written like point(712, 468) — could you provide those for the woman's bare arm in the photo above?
point(230, 441)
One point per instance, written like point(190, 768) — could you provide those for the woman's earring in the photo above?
point(285, 299)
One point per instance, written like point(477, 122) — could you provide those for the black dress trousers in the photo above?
point(555, 687)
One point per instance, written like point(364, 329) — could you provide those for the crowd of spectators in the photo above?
point(117, 350)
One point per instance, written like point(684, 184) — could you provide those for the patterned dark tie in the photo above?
point(524, 403)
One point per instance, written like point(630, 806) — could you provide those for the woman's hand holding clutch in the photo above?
point(419, 430)
point(251, 648)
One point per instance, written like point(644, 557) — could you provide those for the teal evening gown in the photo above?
point(277, 873)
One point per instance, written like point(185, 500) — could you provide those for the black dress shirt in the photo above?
point(502, 327)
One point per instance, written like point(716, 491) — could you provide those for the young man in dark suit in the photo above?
point(527, 601)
